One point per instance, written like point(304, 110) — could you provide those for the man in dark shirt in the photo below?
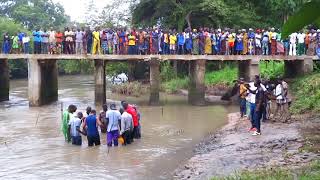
point(260, 104)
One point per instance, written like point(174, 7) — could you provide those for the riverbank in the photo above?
point(233, 149)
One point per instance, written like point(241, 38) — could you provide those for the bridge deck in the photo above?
point(160, 57)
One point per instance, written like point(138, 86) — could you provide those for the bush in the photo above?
point(76, 67)
point(307, 94)
point(167, 72)
point(225, 76)
point(116, 68)
point(174, 85)
point(135, 89)
point(271, 69)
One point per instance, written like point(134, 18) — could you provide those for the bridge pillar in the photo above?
point(248, 69)
point(297, 68)
point(100, 82)
point(196, 95)
point(4, 80)
point(42, 81)
point(154, 82)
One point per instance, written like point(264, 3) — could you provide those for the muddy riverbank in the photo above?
point(233, 149)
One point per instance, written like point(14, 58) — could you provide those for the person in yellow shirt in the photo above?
point(173, 42)
point(131, 43)
point(243, 94)
point(96, 41)
point(166, 43)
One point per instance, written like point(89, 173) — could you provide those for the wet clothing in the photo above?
point(76, 140)
point(64, 125)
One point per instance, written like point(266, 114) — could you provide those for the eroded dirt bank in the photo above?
point(234, 149)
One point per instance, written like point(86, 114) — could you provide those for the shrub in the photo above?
point(271, 69)
point(225, 76)
point(135, 89)
point(174, 85)
point(307, 94)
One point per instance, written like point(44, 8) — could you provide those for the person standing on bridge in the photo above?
point(68, 41)
point(131, 44)
point(37, 41)
point(89, 40)
point(79, 41)
point(195, 42)
point(45, 42)
point(6, 44)
point(59, 40)
point(52, 41)
point(96, 42)
point(26, 44)
point(301, 43)
point(293, 44)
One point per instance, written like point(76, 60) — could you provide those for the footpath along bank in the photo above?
point(282, 150)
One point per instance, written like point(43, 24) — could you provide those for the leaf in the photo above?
point(305, 16)
point(317, 22)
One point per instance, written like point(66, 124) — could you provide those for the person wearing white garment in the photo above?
point(293, 44)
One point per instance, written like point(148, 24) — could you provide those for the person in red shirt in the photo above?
point(129, 109)
point(59, 39)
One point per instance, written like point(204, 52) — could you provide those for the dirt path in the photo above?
point(234, 148)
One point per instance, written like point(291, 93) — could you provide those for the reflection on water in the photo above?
point(32, 146)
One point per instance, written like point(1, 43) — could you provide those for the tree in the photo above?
point(34, 13)
point(308, 14)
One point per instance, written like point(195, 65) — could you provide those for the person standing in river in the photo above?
point(113, 117)
point(67, 114)
point(91, 124)
point(243, 94)
point(129, 109)
point(259, 105)
point(74, 129)
point(126, 126)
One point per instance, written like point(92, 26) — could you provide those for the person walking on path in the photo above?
point(91, 124)
point(259, 105)
point(113, 117)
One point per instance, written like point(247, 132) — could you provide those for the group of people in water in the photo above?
point(202, 41)
point(256, 98)
point(119, 124)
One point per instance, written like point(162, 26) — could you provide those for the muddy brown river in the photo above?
point(32, 146)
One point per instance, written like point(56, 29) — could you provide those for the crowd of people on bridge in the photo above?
point(256, 98)
point(202, 41)
point(121, 124)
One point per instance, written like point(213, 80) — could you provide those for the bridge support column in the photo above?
point(196, 95)
point(248, 69)
point(42, 81)
point(100, 82)
point(154, 82)
point(297, 68)
point(4, 80)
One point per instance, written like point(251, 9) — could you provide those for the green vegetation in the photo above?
point(225, 76)
point(214, 13)
point(271, 69)
point(309, 172)
point(307, 94)
point(176, 84)
point(75, 67)
point(135, 89)
point(117, 68)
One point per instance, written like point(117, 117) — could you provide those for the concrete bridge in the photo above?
point(43, 73)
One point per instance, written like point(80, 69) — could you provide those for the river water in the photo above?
point(32, 146)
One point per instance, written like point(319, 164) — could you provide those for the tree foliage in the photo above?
point(214, 13)
point(34, 13)
point(308, 14)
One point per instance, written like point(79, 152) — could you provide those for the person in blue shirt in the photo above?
point(20, 37)
point(91, 124)
point(37, 41)
point(181, 41)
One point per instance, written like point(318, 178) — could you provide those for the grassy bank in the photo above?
point(306, 91)
point(309, 172)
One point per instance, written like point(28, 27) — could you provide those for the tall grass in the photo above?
point(174, 85)
point(307, 93)
point(225, 76)
point(309, 172)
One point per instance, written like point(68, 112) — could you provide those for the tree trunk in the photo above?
point(188, 19)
